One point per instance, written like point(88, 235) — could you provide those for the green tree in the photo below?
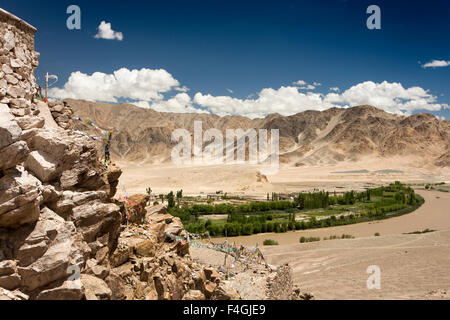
point(179, 196)
point(171, 200)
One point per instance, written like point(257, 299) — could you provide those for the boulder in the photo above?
point(30, 252)
point(55, 143)
point(95, 288)
point(209, 289)
point(12, 295)
point(96, 219)
point(146, 248)
point(175, 227)
point(10, 131)
point(93, 212)
point(65, 249)
point(7, 267)
point(13, 155)
point(222, 294)
point(18, 112)
point(30, 122)
point(113, 175)
point(43, 165)
point(49, 268)
point(117, 286)
point(212, 275)
point(120, 255)
point(194, 295)
point(99, 271)
point(20, 197)
point(10, 282)
point(69, 290)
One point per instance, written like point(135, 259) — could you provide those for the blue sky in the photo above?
point(255, 49)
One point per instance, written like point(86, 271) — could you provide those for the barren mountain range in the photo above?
point(306, 138)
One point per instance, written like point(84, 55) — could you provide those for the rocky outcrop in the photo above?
point(56, 211)
point(148, 265)
point(61, 233)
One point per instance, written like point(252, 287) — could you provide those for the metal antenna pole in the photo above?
point(46, 85)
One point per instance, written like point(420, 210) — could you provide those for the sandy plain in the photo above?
point(413, 266)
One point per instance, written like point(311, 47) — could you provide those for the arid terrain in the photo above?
point(335, 150)
point(413, 266)
point(244, 179)
point(65, 210)
point(309, 138)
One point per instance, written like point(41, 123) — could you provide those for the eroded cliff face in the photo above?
point(61, 232)
point(56, 210)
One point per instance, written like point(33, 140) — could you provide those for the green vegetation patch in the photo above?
point(307, 211)
point(270, 242)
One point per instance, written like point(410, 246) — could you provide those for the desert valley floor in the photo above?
point(413, 266)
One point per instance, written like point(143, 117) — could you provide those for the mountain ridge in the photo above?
point(306, 138)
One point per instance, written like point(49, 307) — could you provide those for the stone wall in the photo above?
point(280, 284)
point(18, 60)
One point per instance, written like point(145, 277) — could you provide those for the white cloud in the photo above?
point(105, 32)
point(391, 97)
point(182, 89)
point(441, 117)
point(143, 84)
point(436, 64)
point(299, 83)
point(181, 103)
point(147, 88)
point(309, 87)
point(303, 85)
point(286, 101)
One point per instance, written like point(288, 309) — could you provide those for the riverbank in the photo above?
point(433, 214)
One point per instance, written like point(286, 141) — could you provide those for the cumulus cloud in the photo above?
point(299, 83)
point(309, 87)
point(285, 100)
point(182, 89)
point(143, 84)
point(106, 32)
point(303, 85)
point(392, 97)
point(436, 64)
point(148, 88)
point(181, 103)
